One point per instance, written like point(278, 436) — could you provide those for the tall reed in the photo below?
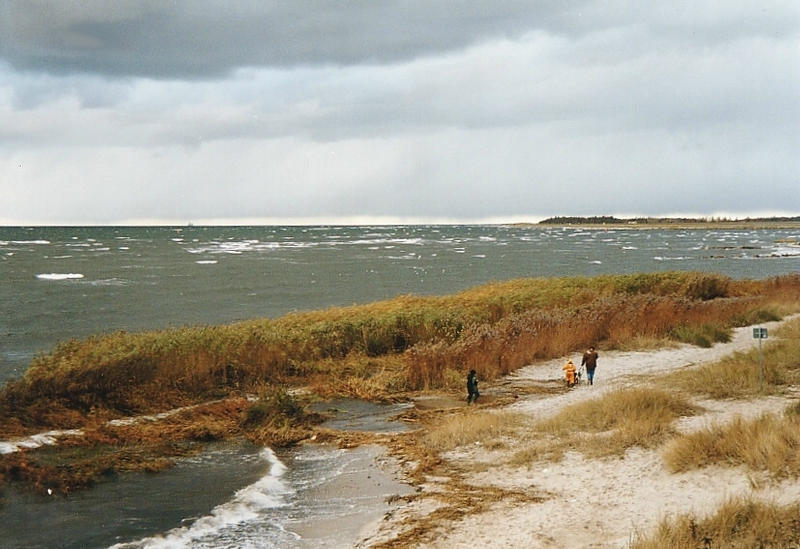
point(494, 328)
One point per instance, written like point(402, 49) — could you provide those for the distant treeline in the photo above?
point(611, 220)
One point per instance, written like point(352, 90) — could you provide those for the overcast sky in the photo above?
point(303, 111)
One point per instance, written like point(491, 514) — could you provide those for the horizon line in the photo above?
point(388, 220)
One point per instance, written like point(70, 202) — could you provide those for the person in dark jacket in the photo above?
point(590, 361)
point(472, 387)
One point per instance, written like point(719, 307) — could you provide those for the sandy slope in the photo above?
point(602, 502)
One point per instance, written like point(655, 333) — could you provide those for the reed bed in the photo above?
point(381, 349)
point(738, 523)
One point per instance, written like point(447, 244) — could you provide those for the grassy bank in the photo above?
point(382, 349)
point(104, 450)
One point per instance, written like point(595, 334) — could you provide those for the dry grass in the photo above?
point(737, 376)
point(768, 443)
point(377, 350)
point(738, 523)
point(487, 428)
point(608, 425)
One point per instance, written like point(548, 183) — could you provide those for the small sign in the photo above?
point(759, 333)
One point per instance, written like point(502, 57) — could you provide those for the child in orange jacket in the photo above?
point(569, 373)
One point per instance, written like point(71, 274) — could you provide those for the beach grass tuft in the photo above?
point(737, 523)
point(768, 443)
point(608, 425)
point(473, 426)
point(738, 375)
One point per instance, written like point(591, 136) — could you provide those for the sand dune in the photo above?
point(598, 502)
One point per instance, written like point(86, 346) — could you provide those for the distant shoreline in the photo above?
point(676, 224)
point(596, 222)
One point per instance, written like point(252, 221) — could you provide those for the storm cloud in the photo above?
point(152, 111)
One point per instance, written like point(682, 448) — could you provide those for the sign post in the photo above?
point(759, 334)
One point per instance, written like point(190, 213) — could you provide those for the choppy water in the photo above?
point(61, 283)
point(232, 497)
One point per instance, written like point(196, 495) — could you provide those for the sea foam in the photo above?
point(247, 505)
point(58, 276)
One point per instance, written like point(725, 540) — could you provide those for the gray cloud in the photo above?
point(197, 38)
point(209, 38)
point(420, 110)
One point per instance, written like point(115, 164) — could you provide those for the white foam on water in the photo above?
point(59, 276)
point(207, 262)
point(110, 282)
point(23, 242)
point(247, 506)
point(35, 441)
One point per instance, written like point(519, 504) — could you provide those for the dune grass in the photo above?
point(607, 425)
point(473, 426)
point(738, 523)
point(377, 350)
point(768, 443)
point(737, 376)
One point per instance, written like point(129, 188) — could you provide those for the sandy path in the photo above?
point(603, 502)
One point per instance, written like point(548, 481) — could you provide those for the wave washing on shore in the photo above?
point(242, 521)
point(233, 495)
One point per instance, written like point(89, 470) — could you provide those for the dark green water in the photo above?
point(62, 283)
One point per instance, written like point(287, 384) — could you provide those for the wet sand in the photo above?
point(365, 487)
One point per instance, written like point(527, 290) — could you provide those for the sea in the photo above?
point(62, 283)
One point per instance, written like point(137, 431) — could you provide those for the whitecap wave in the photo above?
point(23, 242)
point(59, 276)
point(248, 505)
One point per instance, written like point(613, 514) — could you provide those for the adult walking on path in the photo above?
point(590, 361)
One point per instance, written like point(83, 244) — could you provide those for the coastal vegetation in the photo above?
point(767, 443)
point(607, 426)
point(737, 523)
point(740, 375)
point(252, 380)
point(381, 350)
point(674, 222)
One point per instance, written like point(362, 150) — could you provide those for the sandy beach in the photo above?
point(581, 502)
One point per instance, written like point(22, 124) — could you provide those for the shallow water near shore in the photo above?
point(232, 495)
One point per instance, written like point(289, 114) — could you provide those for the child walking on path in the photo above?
point(569, 373)
point(472, 388)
